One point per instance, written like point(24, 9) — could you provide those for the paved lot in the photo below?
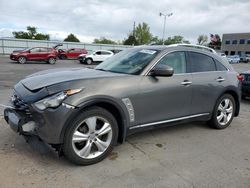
point(190, 155)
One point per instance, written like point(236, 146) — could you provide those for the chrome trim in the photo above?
point(130, 109)
point(168, 121)
point(186, 83)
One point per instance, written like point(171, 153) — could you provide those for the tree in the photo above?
point(71, 38)
point(104, 40)
point(142, 34)
point(131, 40)
point(31, 33)
point(202, 39)
point(215, 42)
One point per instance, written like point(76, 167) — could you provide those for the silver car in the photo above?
point(84, 112)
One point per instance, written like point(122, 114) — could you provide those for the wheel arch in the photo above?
point(236, 97)
point(111, 106)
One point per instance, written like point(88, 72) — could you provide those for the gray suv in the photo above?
point(84, 112)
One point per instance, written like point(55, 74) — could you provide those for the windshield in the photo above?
point(131, 61)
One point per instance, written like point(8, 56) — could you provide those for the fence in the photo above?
point(8, 45)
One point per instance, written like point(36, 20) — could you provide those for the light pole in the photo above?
point(165, 16)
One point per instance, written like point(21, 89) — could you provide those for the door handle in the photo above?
point(186, 83)
point(220, 79)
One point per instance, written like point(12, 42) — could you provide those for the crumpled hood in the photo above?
point(55, 76)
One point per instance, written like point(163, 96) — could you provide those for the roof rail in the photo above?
point(194, 46)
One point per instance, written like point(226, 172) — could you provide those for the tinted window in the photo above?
point(234, 42)
point(176, 60)
point(33, 50)
point(201, 62)
point(220, 66)
point(242, 41)
point(98, 53)
point(105, 53)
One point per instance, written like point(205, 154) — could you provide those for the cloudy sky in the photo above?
point(114, 19)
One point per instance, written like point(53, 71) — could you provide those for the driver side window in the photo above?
point(176, 60)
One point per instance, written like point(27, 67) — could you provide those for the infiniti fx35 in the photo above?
point(84, 112)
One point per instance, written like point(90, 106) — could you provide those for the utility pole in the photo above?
point(134, 34)
point(165, 16)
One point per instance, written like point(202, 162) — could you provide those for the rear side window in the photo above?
point(176, 60)
point(201, 63)
point(220, 66)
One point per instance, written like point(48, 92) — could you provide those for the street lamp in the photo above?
point(165, 16)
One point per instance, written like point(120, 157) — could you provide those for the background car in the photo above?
point(245, 88)
point(233, 59)
point(72, 53)
point(245, 58)
point(96, 56)
point(35, 54)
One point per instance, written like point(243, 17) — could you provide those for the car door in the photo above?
point(44, 53)
point(209, 80)
point(165, 98)
point(97, 56)
point(34, 54)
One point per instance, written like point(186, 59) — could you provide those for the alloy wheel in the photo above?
point(225, 111)
point(92, 137)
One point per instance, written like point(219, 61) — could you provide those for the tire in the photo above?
point(22, 60)
point(85, 144)
point(52, 60)
point(223, 114)
point(81, 60)
point(63, 57)
point(89, 61)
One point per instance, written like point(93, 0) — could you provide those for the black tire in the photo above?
point(22, 60)
point(63, 57)
point(52, 60)
point(68, 149)
point(89, 61)
point(81, 60)
point(213, 121)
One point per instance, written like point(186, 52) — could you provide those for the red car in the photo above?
point(35, 54)
point(72, 53)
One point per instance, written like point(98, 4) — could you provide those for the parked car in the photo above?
point(36, 54)
point(72, 53)
point(245, 90)
point(245, 58)
point(84, 112)
point(233, 59)
point(96, 56)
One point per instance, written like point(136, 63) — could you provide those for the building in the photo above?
point(236, 44)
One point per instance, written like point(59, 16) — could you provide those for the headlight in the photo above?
point(55, 100)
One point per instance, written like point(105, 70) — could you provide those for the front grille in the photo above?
point(19, 104)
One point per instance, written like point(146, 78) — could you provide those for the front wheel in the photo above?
point(22, 60)
point(91, 136)
point(223, 112)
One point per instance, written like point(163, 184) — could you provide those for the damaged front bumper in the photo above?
point(19, 122)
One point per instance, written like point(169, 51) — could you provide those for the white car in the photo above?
point(96, 56)
point(233, 59)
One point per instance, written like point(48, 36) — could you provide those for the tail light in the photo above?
point(240, 77)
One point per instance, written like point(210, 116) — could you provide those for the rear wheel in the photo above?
point(91, 136)
point(22, 60)
point(223, 112)
point(52, 60)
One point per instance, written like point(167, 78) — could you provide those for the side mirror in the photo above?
point(162, 70)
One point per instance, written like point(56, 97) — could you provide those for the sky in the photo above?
point(114, 19)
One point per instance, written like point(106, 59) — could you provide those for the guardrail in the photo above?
point(8, 45)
